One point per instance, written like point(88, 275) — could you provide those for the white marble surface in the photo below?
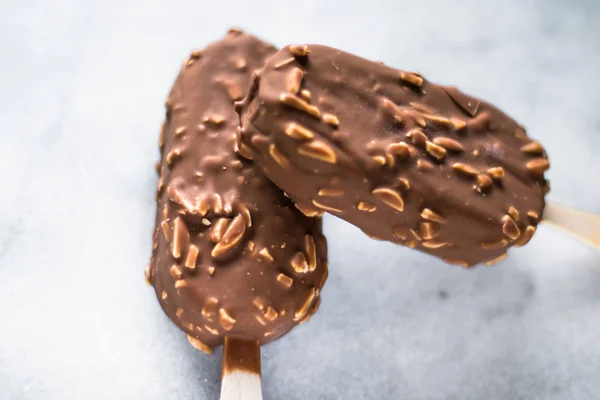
point(82, 85)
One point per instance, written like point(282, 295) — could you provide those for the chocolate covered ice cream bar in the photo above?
point(231, 256)
point(406, 160)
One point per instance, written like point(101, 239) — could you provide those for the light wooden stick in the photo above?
point(584, 226)
point(241, 370)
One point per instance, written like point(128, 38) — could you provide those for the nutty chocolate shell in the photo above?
point(404, 159)
point(231, 256)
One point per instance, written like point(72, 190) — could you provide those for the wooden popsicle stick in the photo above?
point(241, 370)
point(584, 226)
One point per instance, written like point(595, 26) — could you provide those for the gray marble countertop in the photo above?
point(82, 86)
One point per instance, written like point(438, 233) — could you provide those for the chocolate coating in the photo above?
point(404, 159)
point(232, 255)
